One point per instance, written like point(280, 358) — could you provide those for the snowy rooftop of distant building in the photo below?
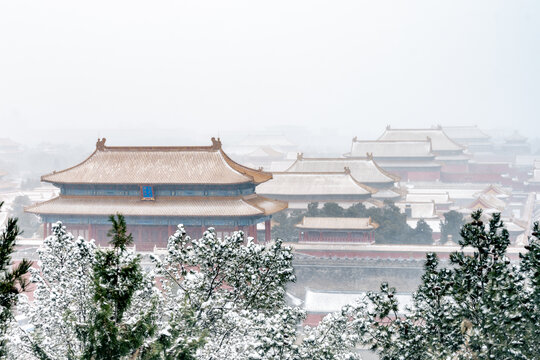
point(465, 133)
point(392, 148)
point(439, 140)
point(289, 183)
point(363, 170)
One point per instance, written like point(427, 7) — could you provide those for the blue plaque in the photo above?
point(147, 192)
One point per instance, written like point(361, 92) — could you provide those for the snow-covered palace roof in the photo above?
point(394, 149)
point(331, 223)
point(158, 165)
point(363, 170)
point(439, 140)
point(289, 183)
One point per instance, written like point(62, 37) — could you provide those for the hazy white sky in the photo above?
point(166, 67)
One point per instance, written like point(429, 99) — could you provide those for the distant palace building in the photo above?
point(411, 160)
point(448, 153)
point(470, 136)
point(336, 230)
point(157, 188)
point(301, 188)
point(364, 170)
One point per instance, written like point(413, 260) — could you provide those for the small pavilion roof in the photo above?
point(289, 183)
point(158, 165)
point(364, 170)
point(251, 205)
point(331, 223)
point(465, 133)
point(439, 140)
point(486, 201)
point(496, 191)
point(381, 149)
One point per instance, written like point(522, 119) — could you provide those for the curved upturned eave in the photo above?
point(240, 206)
point(243, 174)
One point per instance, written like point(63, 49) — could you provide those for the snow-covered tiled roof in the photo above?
point(289, 183)
point(465, 133)
point(381, 149)
point(439, 140)
point(331, 223)
point(363, 170)
point(158, 165)
point(250, 205)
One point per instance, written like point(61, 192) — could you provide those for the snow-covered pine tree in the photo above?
point(115, 332)
point(480, 307)
point(64, 310)
point(530, 266)
point(62, 299)
point(222, 294)
point(12, 281)
point(225, 299)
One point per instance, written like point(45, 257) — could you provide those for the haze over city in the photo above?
point(72, 72)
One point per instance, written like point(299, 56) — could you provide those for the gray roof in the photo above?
point(363, 170)
point(465, 133)
point(439, 140)
point(289, 183)
point(392, 149)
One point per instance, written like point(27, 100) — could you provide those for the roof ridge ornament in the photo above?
point(388, 127)
point(300, 156)
point(100, 144)
point(369, 155)
point(216, 143)
point(355, 139)
point(347, 170)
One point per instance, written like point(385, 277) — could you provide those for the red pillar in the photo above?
point(45, 230)
point(267, 231)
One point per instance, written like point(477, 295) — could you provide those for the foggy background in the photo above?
point(177, 72)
